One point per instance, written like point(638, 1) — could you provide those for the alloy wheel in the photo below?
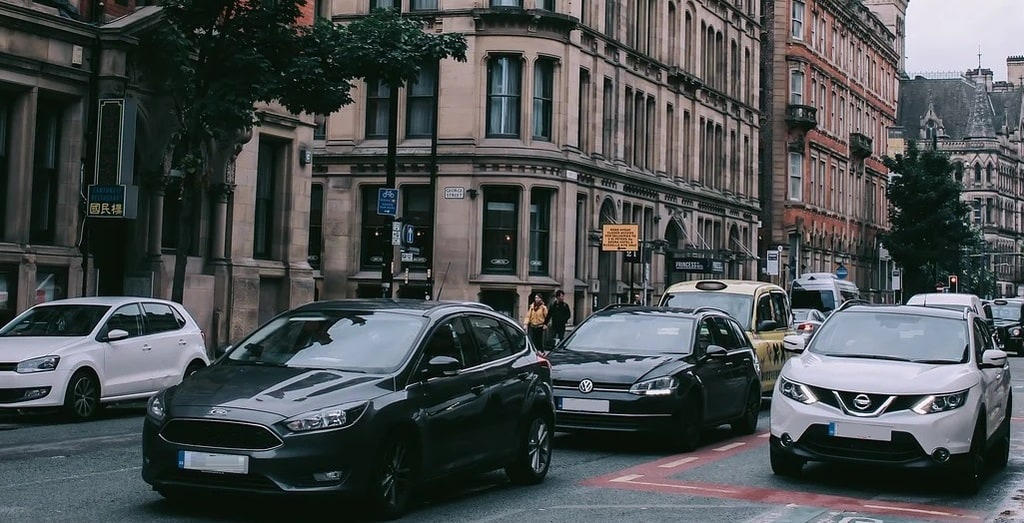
point(539, 445)
point(397, 475)
point(84, 397)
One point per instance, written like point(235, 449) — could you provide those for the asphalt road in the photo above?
point(52, 472)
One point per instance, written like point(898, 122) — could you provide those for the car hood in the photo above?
point(285, 391)
point(878, 376)
point(614, 368)
point(21, 348)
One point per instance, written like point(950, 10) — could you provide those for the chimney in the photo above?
point(1015, 70)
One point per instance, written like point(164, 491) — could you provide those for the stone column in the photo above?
point(221, 193)
point(156, 219)
point(19, 185)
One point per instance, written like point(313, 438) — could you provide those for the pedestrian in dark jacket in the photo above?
point(558, 316)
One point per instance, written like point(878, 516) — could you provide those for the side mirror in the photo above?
point(716, 351)
point(442, 366)
point(222, 350)
point(993, 359)
point(767, 325)
point(116, 334)
point(794, 343)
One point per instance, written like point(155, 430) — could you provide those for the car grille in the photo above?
point(903, 447)
point(574, 420)
point(8, 367)
point(573, 384)
point(827, 397)
point(229, 481)
point(220, 434)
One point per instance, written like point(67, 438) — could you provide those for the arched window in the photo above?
point(977, 172)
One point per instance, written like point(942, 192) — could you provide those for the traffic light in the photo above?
point(953, 280)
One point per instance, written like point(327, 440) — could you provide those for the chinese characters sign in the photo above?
point(107, 201)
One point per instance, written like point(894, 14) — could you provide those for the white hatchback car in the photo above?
point(80, 353)
point(904, 386)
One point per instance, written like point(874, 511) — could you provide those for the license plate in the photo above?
point(583, 405)
point(207, 462)
point(859, 431)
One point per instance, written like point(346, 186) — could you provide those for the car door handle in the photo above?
point(182, 343)
point(147, 348)
point(477, 389)
point(523, 376)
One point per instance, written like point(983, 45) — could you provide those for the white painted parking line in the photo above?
point(626, 478)
point(730, 446)
point(676, 463)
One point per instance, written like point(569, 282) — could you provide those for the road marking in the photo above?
point(914, 510)
point(52, 446)
point(676, 463)
point(69, 478)
point(730, 446)
point(766, 435)
point(685, 486)
point(627, 478)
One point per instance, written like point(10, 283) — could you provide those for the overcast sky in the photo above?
point(944, 35)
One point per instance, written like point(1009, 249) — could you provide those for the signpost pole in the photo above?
point(387, 264)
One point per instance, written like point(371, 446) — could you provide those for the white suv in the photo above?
point(904, 386)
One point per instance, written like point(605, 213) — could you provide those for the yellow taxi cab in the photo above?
point(761, 308)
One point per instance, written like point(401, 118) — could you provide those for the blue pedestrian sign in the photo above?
point(841, 272)
point(387, 202)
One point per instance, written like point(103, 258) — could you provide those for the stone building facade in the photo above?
point(978, 122)
point(75, 112)
point(831, 81)
point(567, 116)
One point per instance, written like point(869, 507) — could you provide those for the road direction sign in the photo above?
point(841, 272)
point(387, 201)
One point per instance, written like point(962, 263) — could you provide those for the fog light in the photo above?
point(330, 475)
point(31, 394)
point(940, 455)
point(786, 439)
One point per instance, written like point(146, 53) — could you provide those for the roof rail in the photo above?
point(619, 305)
point(850, 303)
point(474, 304)
point(708, 308)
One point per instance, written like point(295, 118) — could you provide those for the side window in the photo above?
point(724, 334)
point(705, 336)
point(780, 305)
point(491, 338)
point(982, 340)
point(127, 318)
point(764, 309)
point(744, 340)
point(160, 318)
point(516, 336)
point(444, 342)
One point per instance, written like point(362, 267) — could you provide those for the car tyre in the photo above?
point(970, 473)
point(82, 397)
point(1000, 455)
point(747, 423)
point(533, 456)
point(192, 368)
point(784, 464)
point(688, 433)
point(394, 481)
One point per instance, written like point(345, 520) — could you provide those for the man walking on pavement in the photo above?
point(558, 316)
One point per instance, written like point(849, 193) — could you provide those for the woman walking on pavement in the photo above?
point(536, 317)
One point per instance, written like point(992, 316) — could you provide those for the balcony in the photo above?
point(802, 117)
point(860, 146)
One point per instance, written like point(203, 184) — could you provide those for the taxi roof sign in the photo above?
point(620, 237)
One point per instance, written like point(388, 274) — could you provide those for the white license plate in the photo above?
point(859, 431)
point(207, 462)
point(583, 405)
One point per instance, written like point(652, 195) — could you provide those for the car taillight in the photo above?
point(806, 327)
point(203, 334)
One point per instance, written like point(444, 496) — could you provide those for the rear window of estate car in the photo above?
point(654, 333)
point(897, 336)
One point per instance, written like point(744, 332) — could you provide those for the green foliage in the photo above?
point(929, 223)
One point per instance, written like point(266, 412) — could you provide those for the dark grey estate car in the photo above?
point(363, 397)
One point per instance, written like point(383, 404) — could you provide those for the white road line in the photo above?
point(683, 487)
point(766, 435)
point(730, 446)
point(627, 478)
point(68, 478)
point(676, 463)
point(922, 511)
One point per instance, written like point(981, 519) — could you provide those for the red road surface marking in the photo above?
point(658, 476)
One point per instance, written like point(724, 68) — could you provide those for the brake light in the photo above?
point(806, 327)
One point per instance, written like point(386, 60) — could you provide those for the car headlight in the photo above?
point(797, 391)
point(155, 407)
point(43, 364)
point(656, 387)
point(940, 403)
point(330, 418)
point(1015, 332)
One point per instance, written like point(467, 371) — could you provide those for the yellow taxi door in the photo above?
point(772, 321)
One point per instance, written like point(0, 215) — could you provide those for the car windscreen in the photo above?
point(1010, 311)
point(737, 305)
point(365, 341)
point(893, 336)
point(822, 300)
point(56, 320)
point(634, 333)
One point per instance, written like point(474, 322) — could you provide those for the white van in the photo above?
point(822, 291)
point(953, 300)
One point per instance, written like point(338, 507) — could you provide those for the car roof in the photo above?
point(732, 286)
point(916, 310)
point(626, 308)
point(111, 301)
point(424, 307)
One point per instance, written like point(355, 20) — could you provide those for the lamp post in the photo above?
point(387, 264)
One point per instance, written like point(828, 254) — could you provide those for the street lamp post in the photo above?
point(387, 264)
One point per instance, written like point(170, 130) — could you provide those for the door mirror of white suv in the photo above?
point(794, 343)
point(993, 359)
point(116, 334)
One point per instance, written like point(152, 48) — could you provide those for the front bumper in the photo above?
point(300, 463)
point(14, 388)
point(914, 437)
point(626, 412)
